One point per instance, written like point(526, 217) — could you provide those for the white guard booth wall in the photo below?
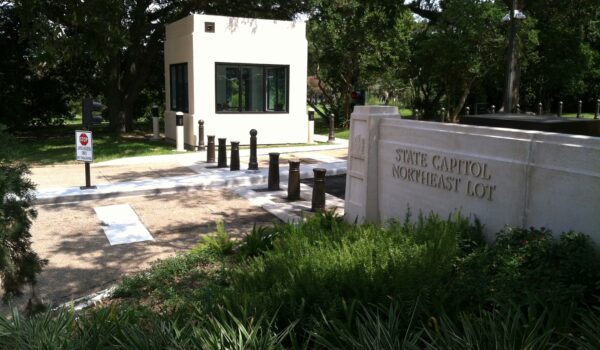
point(202, 42)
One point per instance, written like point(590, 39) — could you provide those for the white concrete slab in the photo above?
point(122, 225)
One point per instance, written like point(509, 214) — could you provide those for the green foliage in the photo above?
point(28, 96)
point(19, 264)
point(220, 242)
point(195, 278)
point(353, 44)
point(512, 328)
point(320, 264)
point(423, 283)
point(530, 262)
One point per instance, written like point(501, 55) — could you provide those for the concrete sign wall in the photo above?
point(503, 176)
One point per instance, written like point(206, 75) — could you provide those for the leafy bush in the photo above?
point(529, 262)
point(317, 266)
point(19, 264)
point(220, 242)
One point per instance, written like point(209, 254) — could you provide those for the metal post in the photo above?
point(201, 135)
point(318, 193)
point(415, 114)
point(273, 171)
point(518, 108)
point(493, 109)
point(579, 103)
point(88, 181)
point(210, 151)
point(331, 128)
point(222, 153)
point(155, 123)
point(467, 110)
point(560, 107)
point(179, 135)
point(253, 164)
point(294, 180)
point(597, 114)
point(540, 108)
point(235, 156)
point(443, 114)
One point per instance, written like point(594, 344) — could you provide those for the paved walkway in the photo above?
point(68, 233)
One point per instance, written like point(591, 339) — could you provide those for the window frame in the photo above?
point(185, 99)
point(264, 67)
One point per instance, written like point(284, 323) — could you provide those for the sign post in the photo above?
point(85, 152)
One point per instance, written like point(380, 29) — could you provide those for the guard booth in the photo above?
point(236, 74)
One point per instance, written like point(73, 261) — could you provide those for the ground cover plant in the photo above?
point(425, 283)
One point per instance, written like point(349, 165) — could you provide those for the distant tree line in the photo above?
point(430, 54)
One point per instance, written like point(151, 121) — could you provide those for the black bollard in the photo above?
point(597, 114)
point(518, 108)
point(201, 135)
point(273, 171)
point(560, 105)
point(467, 110)
point(210, 151)
point(331, 128)
point(294, 180)
point(235, 156)
point(540, 108)
point(415, 114)
point(493, 109)
point(579, 109)
point(253, 164)
point(318, 194)
point(222, 153)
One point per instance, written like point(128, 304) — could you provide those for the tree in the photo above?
point(19, 264)
point(121, 40)
point(28, 96)
point(353, 44)
point(461, 43)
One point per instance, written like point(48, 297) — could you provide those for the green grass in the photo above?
point(55, 145)
point(583, 115)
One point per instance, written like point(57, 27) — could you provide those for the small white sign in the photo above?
point(83, 146)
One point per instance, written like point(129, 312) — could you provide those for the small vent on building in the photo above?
point(209, 27)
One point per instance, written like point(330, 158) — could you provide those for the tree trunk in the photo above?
point(461, 102)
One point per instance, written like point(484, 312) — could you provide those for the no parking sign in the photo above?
point(83, 146)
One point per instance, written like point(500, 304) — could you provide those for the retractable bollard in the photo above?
point(294, 180)
point(253, 164)
point(273, 171)
point(331, 128)
point(155, 124)
point(210, 149)
point(222, 153)
point(201, 135)
point(311, 125)
point(179, 135)
point(579, 103)
point(235, 156)
point(560, 105)
point(318, 194)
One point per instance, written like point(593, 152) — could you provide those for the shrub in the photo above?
point(316, 266)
